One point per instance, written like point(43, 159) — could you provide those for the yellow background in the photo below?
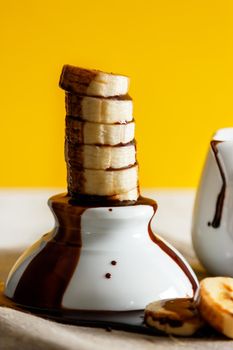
point(178, 53)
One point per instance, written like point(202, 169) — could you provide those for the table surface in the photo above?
point(24, 217)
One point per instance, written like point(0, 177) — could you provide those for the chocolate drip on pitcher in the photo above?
point(215, 223)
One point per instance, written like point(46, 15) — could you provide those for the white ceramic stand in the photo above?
point(120, 266)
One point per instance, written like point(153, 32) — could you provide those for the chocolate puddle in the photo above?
point(215, 223)
point(129, 321)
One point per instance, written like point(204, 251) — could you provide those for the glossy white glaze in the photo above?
point(143, 272)
point(214, 246)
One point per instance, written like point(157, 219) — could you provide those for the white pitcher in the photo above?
point(212, 228)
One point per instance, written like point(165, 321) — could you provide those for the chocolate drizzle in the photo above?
point(169, 251)
point(46, 278)
point(215, 223)
point(97, 201)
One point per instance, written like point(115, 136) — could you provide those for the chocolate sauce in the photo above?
point(97, 201)
point(168, 250)
point(46, 278)
point(110, 209)
point(221, 196)
point(113, 262)
point(131, 321)
point(108, 275)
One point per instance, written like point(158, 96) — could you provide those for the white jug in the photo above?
point(212, 228)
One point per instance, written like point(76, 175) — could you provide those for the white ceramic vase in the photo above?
point(121, 266)
point(212, 227)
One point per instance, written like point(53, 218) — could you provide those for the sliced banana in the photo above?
point(93, 82)
point(100, 150)
point(94, 133)
point(176, 316)
point(102, 182)
point(216, 303)
point(100, 157)
point(100, 110)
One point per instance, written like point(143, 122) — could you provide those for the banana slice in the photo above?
point(216, 303)
point(176, 316)
point(102, 182)
point(94, 133)
point(92, 82)
point(99, 157)
point(100, 110)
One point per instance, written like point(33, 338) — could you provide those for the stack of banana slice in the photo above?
point(99, 148)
